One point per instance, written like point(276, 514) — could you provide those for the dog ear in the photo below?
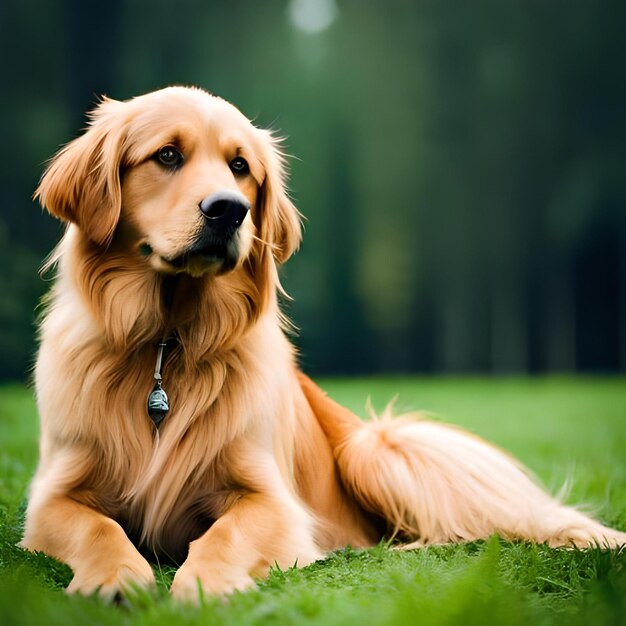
point(280, 221)
point(82, 183)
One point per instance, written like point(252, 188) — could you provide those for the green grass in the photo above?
point(561, 427)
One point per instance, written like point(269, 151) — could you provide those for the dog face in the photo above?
point(178, 177)
point(194, 172)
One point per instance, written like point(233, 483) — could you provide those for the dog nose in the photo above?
point(225, 209)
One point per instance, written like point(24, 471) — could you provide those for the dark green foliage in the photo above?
point(460, 165)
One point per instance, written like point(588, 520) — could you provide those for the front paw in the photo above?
point(112, 580)
point(197, 579)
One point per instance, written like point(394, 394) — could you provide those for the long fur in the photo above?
point(435, 483)
point(254, 465)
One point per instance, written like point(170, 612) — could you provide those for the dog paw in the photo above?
point(605, 539)
point(113, 583)
point(193, 581)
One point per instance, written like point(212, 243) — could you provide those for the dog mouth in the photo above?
point(213, 257)
point(216, 257)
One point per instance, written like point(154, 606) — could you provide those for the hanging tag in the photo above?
point(158, 403)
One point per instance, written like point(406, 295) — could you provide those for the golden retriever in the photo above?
point(178, 218)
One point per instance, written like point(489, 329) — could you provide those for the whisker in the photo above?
point(273, 246)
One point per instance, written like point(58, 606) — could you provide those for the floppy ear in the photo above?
point(280, 221)
point(82, 183)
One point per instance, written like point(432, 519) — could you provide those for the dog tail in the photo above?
point(435, 483)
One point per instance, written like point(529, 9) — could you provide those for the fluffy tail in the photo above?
point(434, 483)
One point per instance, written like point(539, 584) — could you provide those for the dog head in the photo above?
point(178, 177)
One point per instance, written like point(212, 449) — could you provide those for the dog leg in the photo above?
point(257, 532)
point(103, 559)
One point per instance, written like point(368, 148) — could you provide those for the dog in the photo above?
point(175, 422)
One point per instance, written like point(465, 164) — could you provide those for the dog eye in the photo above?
point(239, 165)
point(169, 156)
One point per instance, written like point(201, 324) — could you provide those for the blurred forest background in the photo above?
point(462, 165)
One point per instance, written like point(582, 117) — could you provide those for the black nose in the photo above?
point(225, 209)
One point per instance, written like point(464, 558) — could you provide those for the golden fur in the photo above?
point(254, 465)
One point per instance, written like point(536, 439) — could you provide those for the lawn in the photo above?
point(563, 428)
